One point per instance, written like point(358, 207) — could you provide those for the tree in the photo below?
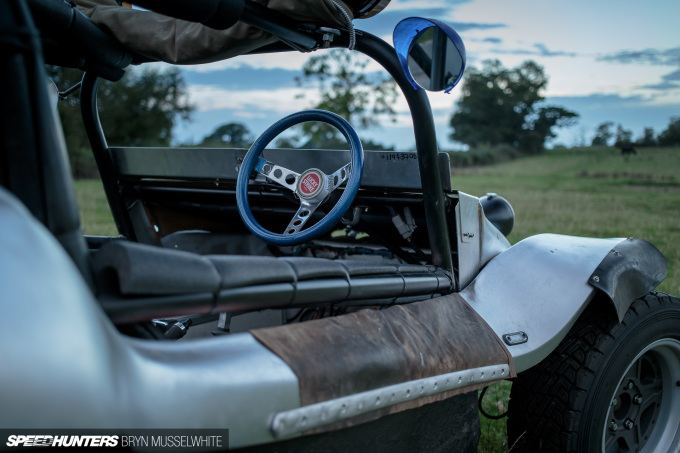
point(540, 128)
point(671, 136)
point(502, 106)
point(139, 110)
point(346, 88)
point(647, 139)
point(230, 135)
point(603, 133)
point(624, 137)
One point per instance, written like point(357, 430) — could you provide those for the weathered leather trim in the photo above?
point(369, 349)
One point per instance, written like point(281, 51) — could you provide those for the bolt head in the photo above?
point(613, 426)
point(628, 424)
point(637, 399)
point(615, 402)
point(630, 385)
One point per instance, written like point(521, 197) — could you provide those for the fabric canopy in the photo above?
point(163, 38)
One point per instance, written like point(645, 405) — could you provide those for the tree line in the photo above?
point(501, 113)
point(606, 135)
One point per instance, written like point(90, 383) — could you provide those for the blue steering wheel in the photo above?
point(312, 187)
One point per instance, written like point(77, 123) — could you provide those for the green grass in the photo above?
point(580, 192)
point(494, 436)
point(95, 214)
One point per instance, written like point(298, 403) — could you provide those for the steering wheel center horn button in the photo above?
point(311, 184)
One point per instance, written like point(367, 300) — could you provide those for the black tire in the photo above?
point(608, 386)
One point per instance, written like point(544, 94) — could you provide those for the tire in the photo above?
point(608, 387)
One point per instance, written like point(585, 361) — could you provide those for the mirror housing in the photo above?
point(431, 53)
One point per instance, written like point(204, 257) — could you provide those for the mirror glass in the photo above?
point(431, 53)
point(434, 61)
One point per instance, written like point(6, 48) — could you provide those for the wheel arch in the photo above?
point(533, 293)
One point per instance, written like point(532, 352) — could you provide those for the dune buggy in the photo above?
point(302, 299)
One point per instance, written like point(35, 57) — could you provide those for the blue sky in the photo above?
point(610, 60)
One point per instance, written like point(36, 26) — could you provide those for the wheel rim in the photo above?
point(643, 415)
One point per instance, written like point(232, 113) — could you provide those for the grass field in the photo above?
point(581, 192)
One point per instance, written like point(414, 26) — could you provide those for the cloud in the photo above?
point(654, 57)
point(665, 57)
point(540, 50)
point(669, 82)
point(383, 24)
point(673, 76)
point(599, 101)
point(284, 60)
point(244, 77)
point(466, 26)
point(544, 52)
point(422, 4)
point(284, 100)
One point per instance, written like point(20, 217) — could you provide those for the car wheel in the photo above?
point(608, 387)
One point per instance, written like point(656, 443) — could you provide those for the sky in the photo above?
point(607, 60)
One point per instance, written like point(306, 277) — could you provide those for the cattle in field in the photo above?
point(627, 150)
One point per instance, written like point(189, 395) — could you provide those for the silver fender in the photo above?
point(536, 290)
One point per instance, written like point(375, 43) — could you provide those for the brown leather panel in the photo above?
point(348, 354)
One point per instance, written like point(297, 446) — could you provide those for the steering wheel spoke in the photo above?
point(339, 177)
point(301, 217)
point(281, 175)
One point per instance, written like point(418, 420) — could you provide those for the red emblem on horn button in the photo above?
point(310, 184)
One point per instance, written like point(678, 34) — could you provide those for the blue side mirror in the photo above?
point(431, 53)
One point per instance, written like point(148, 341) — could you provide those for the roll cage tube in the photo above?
point(102, 155)
point(426, 144)
point(423, 128)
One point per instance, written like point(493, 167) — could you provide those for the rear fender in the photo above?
point(532, 293)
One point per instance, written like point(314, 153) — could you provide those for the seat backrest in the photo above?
point(33, 160)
